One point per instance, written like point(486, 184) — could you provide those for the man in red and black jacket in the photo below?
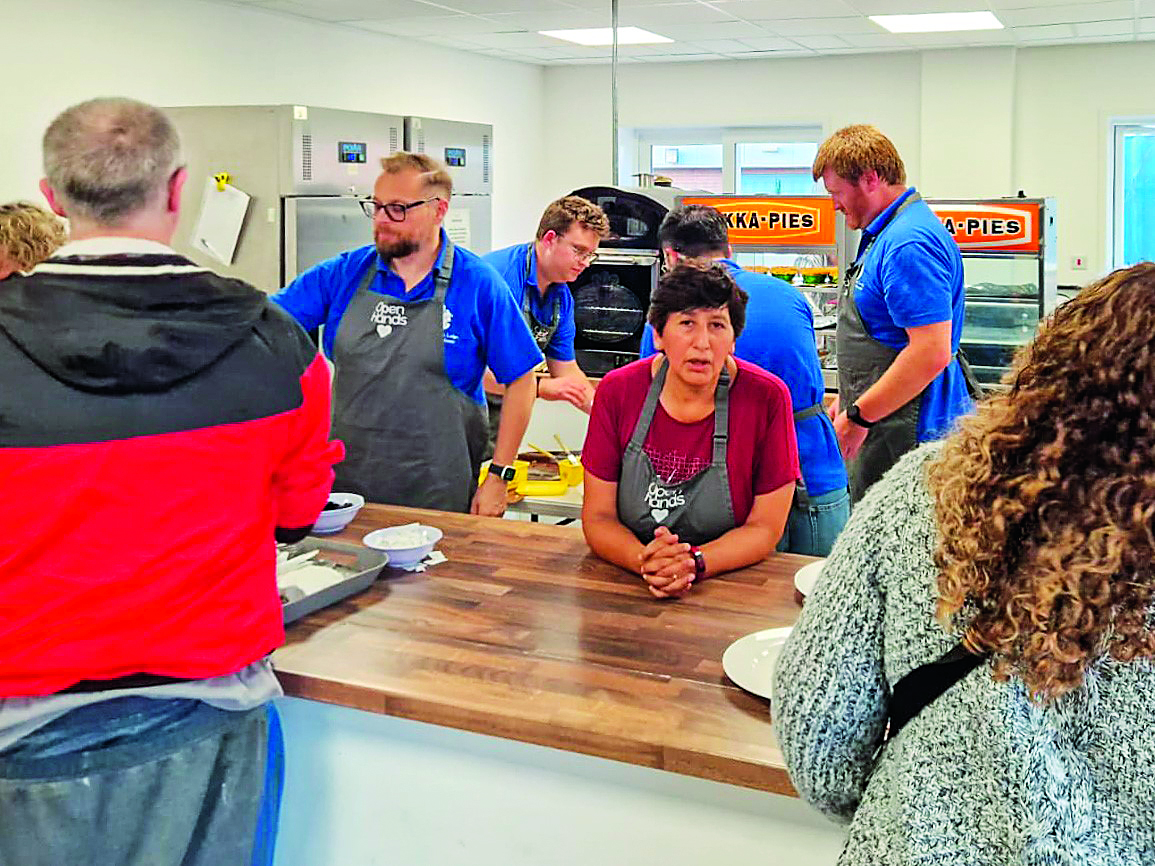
point(159, 426)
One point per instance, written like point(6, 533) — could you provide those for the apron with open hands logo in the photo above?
point(697, 510)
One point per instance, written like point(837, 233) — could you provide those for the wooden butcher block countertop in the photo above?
point(524, 634)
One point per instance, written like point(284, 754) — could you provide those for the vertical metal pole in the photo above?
point(614, 92)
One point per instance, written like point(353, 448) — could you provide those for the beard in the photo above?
point(396, 249)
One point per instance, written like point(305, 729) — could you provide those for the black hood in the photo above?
point(126, 333)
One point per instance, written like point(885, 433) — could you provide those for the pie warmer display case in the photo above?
point(1010, 273)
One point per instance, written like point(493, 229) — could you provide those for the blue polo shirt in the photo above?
point(484, 327)
point(779, 337)
point(510, 263)
point(913, 276)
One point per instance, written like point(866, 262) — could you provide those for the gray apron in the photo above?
point(861, 362)
point(411, 437)
point(801, 499)
point(697, 510)
point(542, 334)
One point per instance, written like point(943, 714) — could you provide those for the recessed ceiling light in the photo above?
point(938, 22)
point(605, 36)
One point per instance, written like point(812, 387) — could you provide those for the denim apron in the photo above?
point(697, 510)
point(862, 360)
point(411, 437)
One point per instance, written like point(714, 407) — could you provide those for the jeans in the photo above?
point(812, 527)
point(136, 781)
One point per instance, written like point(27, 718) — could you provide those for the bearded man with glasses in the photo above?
point(411, 322)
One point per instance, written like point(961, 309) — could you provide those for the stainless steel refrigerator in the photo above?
point(466, 149)
point(305, 169)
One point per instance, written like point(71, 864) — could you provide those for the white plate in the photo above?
point(807, 576)
point(749, 661)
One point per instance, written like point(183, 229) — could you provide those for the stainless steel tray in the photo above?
point(360, 563)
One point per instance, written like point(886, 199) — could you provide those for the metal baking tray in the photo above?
point(361, 564)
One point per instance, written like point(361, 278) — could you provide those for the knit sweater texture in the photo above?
point(982, 775)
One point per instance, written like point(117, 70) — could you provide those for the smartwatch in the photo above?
point(855, 415)
point(505, 473)
point(699, 562)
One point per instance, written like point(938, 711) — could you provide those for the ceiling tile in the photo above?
point(820, 43)
point(1147, 25)
point(560, 20)
point(905, 7)
point(490, 7)
point(1045, 32)
point(1068, 13)
point(875, 41)
point(1145, 8)
point(350, 10)
point(759, 9)
point(770, 43)
point(720, 46)
point(820, 26)
point(1105, 28)
point(457, 25)
point(674, 13)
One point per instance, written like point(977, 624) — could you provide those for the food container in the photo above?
point(336, 519)
point(399, 542)
point(360, 565)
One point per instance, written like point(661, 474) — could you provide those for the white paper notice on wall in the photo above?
point(218, 228)
point(457, 227)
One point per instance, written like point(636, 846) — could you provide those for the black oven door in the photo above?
point(611, 299)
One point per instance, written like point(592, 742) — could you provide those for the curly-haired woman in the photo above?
point(992, 598)
point(28, 235)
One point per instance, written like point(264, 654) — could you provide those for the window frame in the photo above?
point(1117, 127)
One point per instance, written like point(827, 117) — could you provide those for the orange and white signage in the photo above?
point(774, 221)
point(997, 227)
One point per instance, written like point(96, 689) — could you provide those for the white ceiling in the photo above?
point(720, 29)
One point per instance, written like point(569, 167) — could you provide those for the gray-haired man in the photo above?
point(166, 423)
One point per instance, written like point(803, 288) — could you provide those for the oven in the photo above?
point(612, 295)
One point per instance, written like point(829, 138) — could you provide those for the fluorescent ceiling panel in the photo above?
point(938, 22)
point(605, 36)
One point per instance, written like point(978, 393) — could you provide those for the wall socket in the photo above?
point(1078, 263)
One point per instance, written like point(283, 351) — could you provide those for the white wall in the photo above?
point(969, 123)
point(189, 52)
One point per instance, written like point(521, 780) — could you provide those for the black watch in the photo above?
point(505, 473)
point(855, 415)
point(699, 561)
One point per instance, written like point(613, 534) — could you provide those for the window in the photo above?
point(759, 161)
point(689, 166)
point(1132, 229)
point(776, 168)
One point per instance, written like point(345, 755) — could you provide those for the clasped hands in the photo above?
point(666, 565)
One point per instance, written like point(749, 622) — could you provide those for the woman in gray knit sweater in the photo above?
point(1027, 538)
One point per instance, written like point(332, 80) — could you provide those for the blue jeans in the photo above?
point(136, 781)
point(812, 527)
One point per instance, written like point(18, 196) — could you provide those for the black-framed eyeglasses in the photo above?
point(395, 210)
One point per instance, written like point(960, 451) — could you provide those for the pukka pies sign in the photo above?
point(774, 221)
point(991, 226)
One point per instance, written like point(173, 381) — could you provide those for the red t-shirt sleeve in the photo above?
point(776, 457)
point(603, 448)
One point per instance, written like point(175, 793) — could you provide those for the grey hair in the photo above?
point(110, 157)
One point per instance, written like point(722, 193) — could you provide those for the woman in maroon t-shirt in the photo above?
point(690, 456)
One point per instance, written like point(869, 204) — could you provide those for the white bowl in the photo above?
point(807, 576)
point(402, 552)
point(336, 519)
